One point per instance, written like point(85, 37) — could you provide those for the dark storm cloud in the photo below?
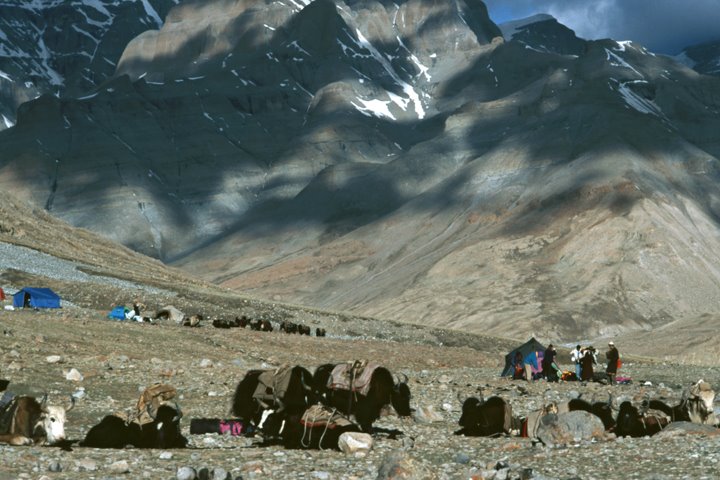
point(664, 26)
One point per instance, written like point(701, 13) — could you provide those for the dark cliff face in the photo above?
point(704, 58)
point(544, 34)
point(395, 158)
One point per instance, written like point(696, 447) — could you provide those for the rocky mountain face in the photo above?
point(703, 58)
point(545, 34)
point(63, 47)
point(400, 160)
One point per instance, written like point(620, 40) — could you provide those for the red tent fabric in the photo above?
point(2, 295)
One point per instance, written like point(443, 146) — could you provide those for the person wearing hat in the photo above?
point(612, 356)
point(587, 361)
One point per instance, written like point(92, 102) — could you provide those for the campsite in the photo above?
point(117, 359)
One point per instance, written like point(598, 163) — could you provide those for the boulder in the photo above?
point(355, 442)
point(427, 414)
point(569, 428)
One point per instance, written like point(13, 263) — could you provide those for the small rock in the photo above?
point(54, 359)
point(444, 379)
point(408, 442)
point(166, 456)
point(321, 475)
point(86, 465)
point(462, 458)
point(257, 468)
point(55, 467)
point(121, 466)
point(186, 473)
point(427, 414)
point(14, 354)
point(399, 465)
point(220, 474)
point(355, 442)
point(206, 363)
point(74, 375)
point(79, 393)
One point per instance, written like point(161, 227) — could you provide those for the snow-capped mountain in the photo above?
point(65, 47)
point(398, 159)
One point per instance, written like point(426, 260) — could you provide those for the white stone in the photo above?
point(86, 465)
point(74, 375)
point(121, 466)
point(206, 363)
point(355, 442)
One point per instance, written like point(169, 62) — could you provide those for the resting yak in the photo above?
point(287, 389)
point(25, 421)
point(362, 390)
point(635, 422)
point(485, 418)
point(116, 432)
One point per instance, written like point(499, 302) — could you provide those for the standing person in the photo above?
point(587, 361)
point(531, 364)
point(576, 357)
point(612, 356)
point(548, 367)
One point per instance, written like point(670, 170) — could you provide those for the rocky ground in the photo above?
point(117, 360)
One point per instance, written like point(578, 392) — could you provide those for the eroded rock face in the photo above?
point(66, 48)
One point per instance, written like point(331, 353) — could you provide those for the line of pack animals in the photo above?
point(267, 326)
point(295, 408)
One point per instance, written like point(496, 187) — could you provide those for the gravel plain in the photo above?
point(118, 359)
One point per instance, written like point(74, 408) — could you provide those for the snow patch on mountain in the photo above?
point(152, 13)
point(406, 87)
point(617, 61)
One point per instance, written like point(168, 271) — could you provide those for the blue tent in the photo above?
point(118, 313)
point(530, 347)
point(36, 298)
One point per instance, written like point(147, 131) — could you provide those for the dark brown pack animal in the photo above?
point(320, 332)
point(288, 327)
point(25, 421)
point(485, 418)
point(116, 432)
point(634, 422)
point(287, 389)
point(367, 403)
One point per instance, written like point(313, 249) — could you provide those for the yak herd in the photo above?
point(494, 416)
point(295, 408)
point(262, 325)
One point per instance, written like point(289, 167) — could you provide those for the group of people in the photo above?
point(584, 359)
